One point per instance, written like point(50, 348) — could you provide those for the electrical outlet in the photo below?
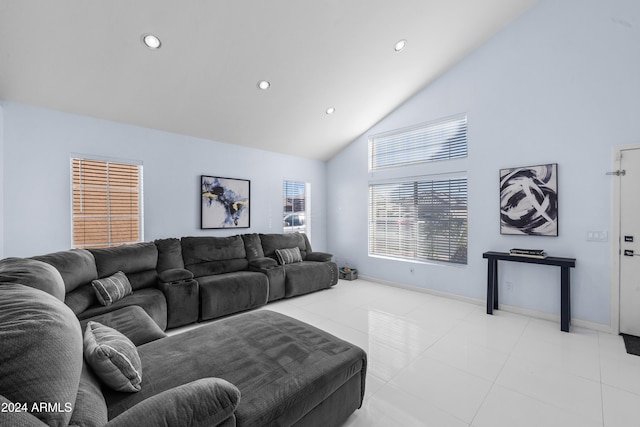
point(509, 286)
point(411, 270)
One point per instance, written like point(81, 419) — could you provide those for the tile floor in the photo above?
point(444, 363)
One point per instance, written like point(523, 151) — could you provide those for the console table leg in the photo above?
point(495, 284)
point(492, 289)
point(565, 300)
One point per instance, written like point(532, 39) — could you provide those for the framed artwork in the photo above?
point(529, 200)
point(225, 202)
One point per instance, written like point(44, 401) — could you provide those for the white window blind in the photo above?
point(419, 220)
point(444, 139)
point(106, 203)
point(294, 207)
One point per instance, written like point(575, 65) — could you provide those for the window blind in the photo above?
point(419, 220)
point(106, 203)
point(444, 139)
point(294, 206)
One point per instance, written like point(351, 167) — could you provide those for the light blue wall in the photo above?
point(38, 144)
point(561, 85)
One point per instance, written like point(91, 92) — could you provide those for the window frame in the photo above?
point(110, 241)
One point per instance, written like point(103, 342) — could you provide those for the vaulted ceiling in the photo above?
point(87, 57)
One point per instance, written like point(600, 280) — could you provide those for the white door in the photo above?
point(630, 242)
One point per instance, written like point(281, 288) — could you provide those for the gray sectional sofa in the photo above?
point(256, 369)
point(181, 281)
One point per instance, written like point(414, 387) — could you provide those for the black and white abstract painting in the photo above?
point(529, 200)
point(225, 202)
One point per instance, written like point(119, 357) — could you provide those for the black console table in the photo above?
point(565, 282)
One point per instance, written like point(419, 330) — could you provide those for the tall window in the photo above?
point(107, 203)
point(295, 207)
point(419, 218)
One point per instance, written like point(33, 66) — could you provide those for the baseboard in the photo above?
point(600, 327)
point(434, 292)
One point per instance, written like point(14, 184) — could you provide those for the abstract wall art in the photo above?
point(225, 202)
point(529, 200)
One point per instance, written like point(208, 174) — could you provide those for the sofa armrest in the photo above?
point(204, 402)
point(264, 263)
point(318, 256)
point(175, 275)
point(183, 300)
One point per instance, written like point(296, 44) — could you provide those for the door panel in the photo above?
point(630, 242)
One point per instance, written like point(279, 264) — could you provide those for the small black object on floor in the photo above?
point(632, 344)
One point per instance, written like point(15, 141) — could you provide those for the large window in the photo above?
point(295, 207)
point(107, 203)
point(419, 218)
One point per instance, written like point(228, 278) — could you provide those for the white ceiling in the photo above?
point(86, 57)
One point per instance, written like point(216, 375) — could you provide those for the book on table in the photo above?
point(532, 253)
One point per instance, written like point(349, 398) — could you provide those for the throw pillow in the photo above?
point(289, 256)
point(113, 357)
point(111, 289)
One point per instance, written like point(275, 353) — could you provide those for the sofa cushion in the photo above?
point(169, 254)
point(288, 256)
point(33, 273)
point(205, 256)
point(39, 332)
point(113, 357)
point(81, 298)
point(128, 258)
point(143, 279)
point(231, 293)
point(150, 300)
point(253, 246)
point(132, 322)
point(111, 289)
point(76, 266)
point(271, 242)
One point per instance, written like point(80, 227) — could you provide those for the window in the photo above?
point(419, 218)
point(295, 207)
point(444, 139)
point(106, 203)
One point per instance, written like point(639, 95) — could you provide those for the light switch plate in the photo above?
point(597, 236)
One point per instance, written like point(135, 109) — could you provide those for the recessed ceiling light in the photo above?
point(330, 110)
point(151, 41)
point(264, 85)
point(400, 45)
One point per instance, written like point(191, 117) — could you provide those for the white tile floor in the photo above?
point(444, 363)
point(440, 362)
